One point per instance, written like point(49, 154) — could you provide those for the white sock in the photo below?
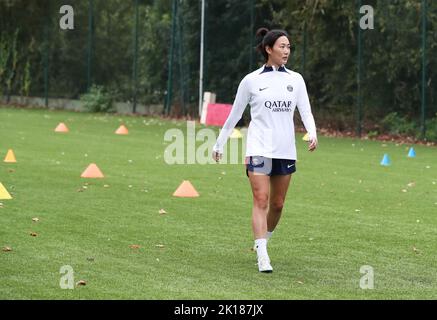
point(261, 247)
point(269, 234)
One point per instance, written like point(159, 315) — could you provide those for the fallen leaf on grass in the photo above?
point(6, 249)
point(159, 246)
point(33, 234)
point(134, 246)
point(162, 211)
point(35, 219)
point(300, 282)
point(81, 283)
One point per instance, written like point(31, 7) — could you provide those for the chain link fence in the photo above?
point(146, 53)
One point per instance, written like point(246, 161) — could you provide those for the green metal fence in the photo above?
point(147, 52)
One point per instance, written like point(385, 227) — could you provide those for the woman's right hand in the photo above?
point(216, 156)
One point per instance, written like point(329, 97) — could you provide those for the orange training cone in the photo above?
point(186, 190)
point(4, 194)
point(122, 130)
point(10, 156)
point(92, 172)
point(61, 128)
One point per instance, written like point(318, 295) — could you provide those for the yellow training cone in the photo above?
point(122, 130)
point(10, 156)
point(4, 194)
point(92, 171)
point(61, 128)
point(186, 190)
point(306, 137)
point(236, 134)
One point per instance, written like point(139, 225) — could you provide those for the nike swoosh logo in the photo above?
point(262, 89)
point(290, 165)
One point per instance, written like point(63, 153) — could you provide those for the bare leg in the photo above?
point(278, 191)
point(260, 189)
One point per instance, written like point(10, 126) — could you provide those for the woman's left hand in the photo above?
point(313, 144)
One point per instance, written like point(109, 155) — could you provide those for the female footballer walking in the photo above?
point(273, 93)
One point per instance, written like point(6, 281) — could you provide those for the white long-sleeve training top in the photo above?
point(273, 96)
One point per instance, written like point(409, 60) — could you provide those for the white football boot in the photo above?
point(264, 264)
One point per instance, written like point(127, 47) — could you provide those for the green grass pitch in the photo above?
point(343, 211)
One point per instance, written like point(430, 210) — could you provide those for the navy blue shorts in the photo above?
point(269, 166)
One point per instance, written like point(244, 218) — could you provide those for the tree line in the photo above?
point(323, 33)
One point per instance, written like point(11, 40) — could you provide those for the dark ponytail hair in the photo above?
point(266, 38)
